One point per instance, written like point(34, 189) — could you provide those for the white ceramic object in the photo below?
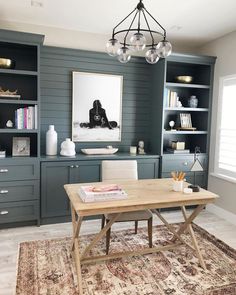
point(178, 185)
point(133, 150)
point(67, 148)
point(99, 151)
point(51, 141)
point(187, 190)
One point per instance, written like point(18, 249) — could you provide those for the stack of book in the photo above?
point(101, 193)
point(178, 151)
point(26, 118)
point(171, 99)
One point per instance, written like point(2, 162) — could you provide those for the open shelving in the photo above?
point(23, 77)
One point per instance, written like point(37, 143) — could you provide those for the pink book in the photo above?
point(25, 121)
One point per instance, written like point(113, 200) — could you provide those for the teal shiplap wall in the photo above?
point(57, 64)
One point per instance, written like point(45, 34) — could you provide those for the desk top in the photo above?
point(142, 194)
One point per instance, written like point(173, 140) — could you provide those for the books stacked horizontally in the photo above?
point(26, 118)
point(179, 151)
point(101, 193)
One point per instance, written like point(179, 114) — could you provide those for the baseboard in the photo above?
point(230, 217)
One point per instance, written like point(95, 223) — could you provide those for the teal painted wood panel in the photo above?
point(56, 66)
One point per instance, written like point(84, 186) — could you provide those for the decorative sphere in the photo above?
point(164, 48)
point(112, 46)
point(124, 54)
point(138, 41)
point(152, 56)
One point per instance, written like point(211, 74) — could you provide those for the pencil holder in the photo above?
point(178, 185)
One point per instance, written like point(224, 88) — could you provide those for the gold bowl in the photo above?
point(6, 63)
point(184, 79)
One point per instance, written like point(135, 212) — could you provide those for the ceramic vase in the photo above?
point(67, 148)
point(51, 141)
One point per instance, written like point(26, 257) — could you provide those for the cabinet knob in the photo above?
point(185, 163)
point(4, 212)
point(3, 191)
point(3, 170)
point(71, 166)
point(76, 166)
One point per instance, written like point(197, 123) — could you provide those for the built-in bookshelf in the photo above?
point(19, 112)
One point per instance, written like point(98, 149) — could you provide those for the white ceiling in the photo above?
point(187, 22)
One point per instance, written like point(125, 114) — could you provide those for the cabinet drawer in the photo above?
point(19, 211)
point(19, 171)
point(181, 163)
point(19, 191)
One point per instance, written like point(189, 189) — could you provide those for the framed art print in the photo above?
point(96, 107)
point(21, 146)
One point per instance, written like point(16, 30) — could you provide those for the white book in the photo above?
point(31, 117)
point(35, 117)
point(87, 193)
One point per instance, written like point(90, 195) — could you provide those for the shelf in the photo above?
point(184, 85)
point(18, 72)
point(18, 101)
point(13, 130)
point(185, 132)
point(187, 109)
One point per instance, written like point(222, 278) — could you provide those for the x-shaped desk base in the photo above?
point(81, 258)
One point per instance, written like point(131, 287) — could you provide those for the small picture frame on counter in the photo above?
point(21, 146)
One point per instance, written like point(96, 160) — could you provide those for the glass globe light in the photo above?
point(138, 42)
point(124, 54)
point(164, 48)
point(112, 46)
point(152, 56)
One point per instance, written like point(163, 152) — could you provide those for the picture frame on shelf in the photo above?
point(21, 146)
point(96, 107)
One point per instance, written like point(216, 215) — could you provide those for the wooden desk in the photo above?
point(148, 194)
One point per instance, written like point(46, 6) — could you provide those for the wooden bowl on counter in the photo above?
point(184, 79)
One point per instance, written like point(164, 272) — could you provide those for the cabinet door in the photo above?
point(148, 168)
point(85, 171)
point(54, 201)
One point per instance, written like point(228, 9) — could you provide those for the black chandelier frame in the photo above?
point(137, 11)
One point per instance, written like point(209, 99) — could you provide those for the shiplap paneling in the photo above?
point(56, 66)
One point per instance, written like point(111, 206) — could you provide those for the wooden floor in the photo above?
point(10, 239)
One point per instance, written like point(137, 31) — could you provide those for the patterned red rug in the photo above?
point(45, 267)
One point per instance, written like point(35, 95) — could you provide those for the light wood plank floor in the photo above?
point(10, 239)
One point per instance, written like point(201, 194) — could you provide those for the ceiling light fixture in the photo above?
point(137, 41)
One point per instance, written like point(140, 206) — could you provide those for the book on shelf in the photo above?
point(174, 151)
point(171, 99)
point(101, 193)
point(25, 118)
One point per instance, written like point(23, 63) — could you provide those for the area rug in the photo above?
point(46, 268)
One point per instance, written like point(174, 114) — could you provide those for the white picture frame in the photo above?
point(96, 107)
point(21, 146)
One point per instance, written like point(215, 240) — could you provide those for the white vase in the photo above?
point(67, 148)
point(51, 141)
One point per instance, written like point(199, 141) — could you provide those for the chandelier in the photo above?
point(122, 44)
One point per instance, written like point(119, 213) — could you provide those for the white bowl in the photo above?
point(99, 151)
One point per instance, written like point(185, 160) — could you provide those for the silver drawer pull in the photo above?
point(76, 166)
point(185, 163)
point(3, 191)
point(4, 212)
point(3, 170)
point(71, 166)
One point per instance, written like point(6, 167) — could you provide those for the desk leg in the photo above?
point(76, 223)
point(189, 220)
point(194, 240)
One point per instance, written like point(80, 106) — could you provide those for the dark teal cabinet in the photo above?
point(19, 190)
point(55, 173)
point(184, 163)
point(54, 201)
